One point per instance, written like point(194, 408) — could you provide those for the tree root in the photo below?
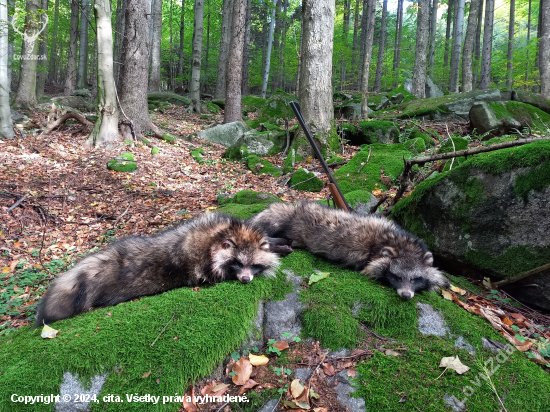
point(69, 115)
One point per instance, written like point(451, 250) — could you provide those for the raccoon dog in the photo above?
point(209, 249)
point(372, 245)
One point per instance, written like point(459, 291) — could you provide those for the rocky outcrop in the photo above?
point(431, 88)
point(75, 102)
point(225, 134)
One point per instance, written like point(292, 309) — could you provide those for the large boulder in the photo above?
point(265, 143)
point(489, 215)
point(278, 106)
point(157, 98)
point(379, 132)
point(431, 88)
point(534, 99)
point(350, 110)
point(75, 102)
point(225, 134)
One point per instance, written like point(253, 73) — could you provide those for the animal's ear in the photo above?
point(228, 243)
point(388, 252)
point(428, 259)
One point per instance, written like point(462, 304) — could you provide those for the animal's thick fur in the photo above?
point(209, 249)
point(370, 244)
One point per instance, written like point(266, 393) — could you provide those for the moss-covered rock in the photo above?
point(160, 98)
point(266, 143)
point(246, 203)
point(213, 107)
point(219, 102)
point(251, 103)
point(357, 174)
point(196, 154)
point(290, 161)
point(305, 181)
point(255, 123)
point(260, 166)
point(169, 139)
point(454, 144)
point(277, 106)
point(486, 212)
point(155, 150)
point(122, 165)
point(415, 146)
point(525, 114)
point(375, 131)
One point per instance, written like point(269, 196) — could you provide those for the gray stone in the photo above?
point(261, 143)
point(493, 345)
point(270, 406)
point(71, 385)
point(430, 321)
point(384, 103)
point(483, 119)
point(17, 117)
point(350, 110)
point(340, 353)
point(461, 343)
point(225, 134)
point(365, 207)
point(344, 389)
point(431, 89)
point(454, 403)
point(397, 99)
point(303, 374)
point(255, 334)
point(85, 93)
point(534, 99)
point(76, 102)
point(461, 107)
point(357, 305)
point(284, 316)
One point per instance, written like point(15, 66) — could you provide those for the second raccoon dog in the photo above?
point(210, 249)
point(372, 245)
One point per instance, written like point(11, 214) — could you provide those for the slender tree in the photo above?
point(268, 51)
point(544, 49)
point(105, 131)
point(433, 35)
point(245, 88)
point(34, 24)
point(448, 31)
point(527, 45)
point(422, 31)
point(477, 46)
point(70, 80)
point(380, 62)
point(6, 125)
point(232, 112)
point(363, 41)
point(354, 41)
point(397, 44)
point(225, 38)
point(206, 58)
point(467, 56)
point(154, 79)
point(53, 59)
point(316, 69)
point(371, 12)
point(282, 44)
point(194, 87)
point(43, 56)
point(487, 45)
point(457, 47)
point(345, 27)
point(82, 74)
point(180, 50)
point(510, 54)
point(11, 9)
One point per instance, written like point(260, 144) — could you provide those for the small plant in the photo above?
point(295, 338)
point(271, 347)
point(283, 389)
point(494, 295)
point(281, 370)
point(521, 339)
point(236, 356)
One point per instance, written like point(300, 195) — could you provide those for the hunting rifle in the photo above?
point(335, 191)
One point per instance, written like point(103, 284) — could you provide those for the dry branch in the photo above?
point(63, 119)
point(523, 275)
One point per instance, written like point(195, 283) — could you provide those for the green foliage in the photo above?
point(260, 166)
point(415, 146)
point(196, 154)
point(306, 181)
point(213, 107)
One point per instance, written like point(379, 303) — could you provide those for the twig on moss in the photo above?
point(436, 137)
point(165, 326)
point(367, 162)
point(377, 205)
point(453, 143)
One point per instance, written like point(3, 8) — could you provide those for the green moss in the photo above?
point(202, 328)
point(235, 152)
point(146, 141)
point(155, 150)
point(128, 142)
point(213, 107)
point(163, 99)
point(168, 138)
point(388, 157)
point(205, 117)
point(255, 123)
point(251, 103)
point(370, 127)
point(537, 179)
point(127, 156)
point(459, 144)
point(287, 166)
point(333, 140)
point(428, 140)
point(246, 203)
point(267, 167)
point(523, 113)
point(347, 127)
point(196, 153)
point(415, 146)
point(121, 166)
point(496, 140)
point(362, 196)
point(277, 106)
point(310, 182)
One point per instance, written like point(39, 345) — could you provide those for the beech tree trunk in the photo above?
point(282, 45)
point(510, 54)
point(316, 68)
point(106, 127)
point(268, 51)
point(467, 56)
point(354, 44)
point(154, 79)
point(6, 124)
point(180, 50)
point(457, 47)
point(82, 74)
point(380, 61)
point(371, 11)
point(70, 81)
point(433, 33)
point(527, 46)
point(544, 49)
point(245, 89)
point(225, 38)
point(26, 93)
point(134, 70)
point(487, 45)
point(11, 8)
point(232, 111)
point(54, 57)
point(477, 46)
point(363, 42)
point(448, 32)
point(422, 31)
point(347, 11)
point(397, 47)
point(194, 86)
point(43, 57)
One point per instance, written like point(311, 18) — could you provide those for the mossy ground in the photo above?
point(311, 183)
point(196, 153)
point(246, 203)
point(251, 103)
point(523, 113)
point(415, 146)
point(388, 157)
point(277, 105)
point(267, 167)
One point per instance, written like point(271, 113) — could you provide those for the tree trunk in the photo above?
point(300, 52)
point(11, 9)
point(106, 127)
point(82, 74)
point(433, 35)
point(467, 56)
point(487, 45)
point(510, 54)
point(171, 62)
point(52, 69)
point(536, 87)
point(347, 11)
point(225, 38)
point(363, 42)
point(26, 93)
point(194, 87)
point(544, 49)
point(43, 57)
point(422, 31)
point(354, 44)
point(477, 47)
point(268, 51)
point(380, 62)
point(276, 83)
point(448, 32)
point(70, 80)
point(457, 47)
point(371, 11)
point(6, 124)
point(134, 69)
point(527, 46)
point(246, 50)
point(282, 46)
point(397, 47)
point(154, 80)
point(316, 70)
point(205, 80)
point(232, 112)
point(180, 50)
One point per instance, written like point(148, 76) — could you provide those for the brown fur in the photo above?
point(206, 250)
point(369, 244)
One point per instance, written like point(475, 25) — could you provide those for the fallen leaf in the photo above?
point(320, 409)
point(391, 352)
point(281, 345)
point(358, 352)
point(189, 406)
point(454, 363)
point(446, 294)
point(524, 347)
point(456, 289)
point(219, 387)
point(48, 333)
point(518, 317)
point(296, 388)
point(207, 388)
point(258, 360)
point(403, 399)
point(146, 374)
point(249, 384)
point(352, 372)
point(303, 405)
point(317, 276)
point(328, 369)
point(243, 367)
point(507, 321)
point(313, 394)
